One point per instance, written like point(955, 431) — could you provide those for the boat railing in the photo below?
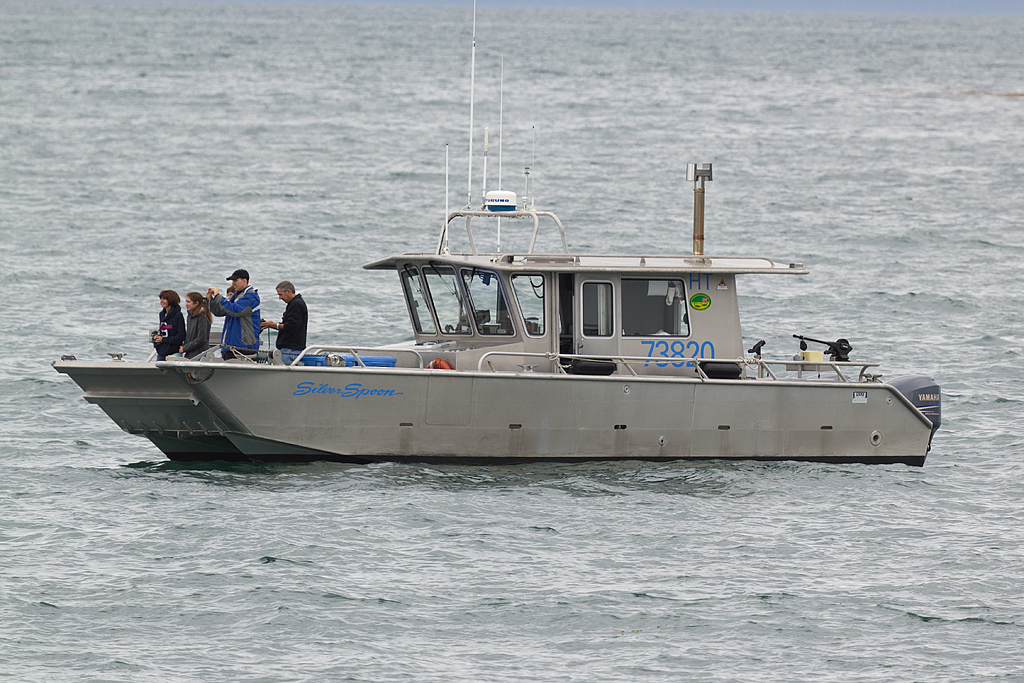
point(469, 215)
point(354, 350)
point(811, 366)
point(763, 367)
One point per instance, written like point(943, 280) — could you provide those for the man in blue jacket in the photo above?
point(241, 314)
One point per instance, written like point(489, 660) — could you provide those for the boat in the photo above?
point(531, 356)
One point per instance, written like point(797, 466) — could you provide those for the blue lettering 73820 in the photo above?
point(678, 349)
point(356, 391)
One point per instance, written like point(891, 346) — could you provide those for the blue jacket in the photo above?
point(241, 318)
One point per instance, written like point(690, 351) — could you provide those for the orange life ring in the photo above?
point(439, 364)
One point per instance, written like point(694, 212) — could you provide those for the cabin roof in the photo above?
point(632, 264)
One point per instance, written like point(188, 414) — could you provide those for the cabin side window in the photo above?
point(443, 287)
point(486, 298)
point(529, 289)
point(419, 310)
point(654, 308)
point(598, 320)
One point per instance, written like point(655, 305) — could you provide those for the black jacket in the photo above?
point(292, 334)
point(172, 329)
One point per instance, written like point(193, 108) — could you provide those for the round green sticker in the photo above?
point(700, 301)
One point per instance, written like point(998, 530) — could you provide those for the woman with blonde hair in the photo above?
point(197, 336)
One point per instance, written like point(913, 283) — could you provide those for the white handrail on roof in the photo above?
point(469, 215)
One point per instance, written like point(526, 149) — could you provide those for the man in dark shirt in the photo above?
point(291, 331)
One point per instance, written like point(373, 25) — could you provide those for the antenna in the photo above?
point(501, 115)
point(445, 229)
point(501, 118)
point(472, 85)
point(533, 198)
point(526, 190)
point(486, 132)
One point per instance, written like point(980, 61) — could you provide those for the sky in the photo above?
point(982, 7)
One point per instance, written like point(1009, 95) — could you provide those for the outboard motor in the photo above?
point(924, 393)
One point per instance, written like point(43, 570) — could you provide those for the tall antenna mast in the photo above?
point(486, 132)
point(472, 85)
point(533, 197)
point(501, 117)
point(446, 198)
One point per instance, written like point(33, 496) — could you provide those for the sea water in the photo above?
point(149, 146)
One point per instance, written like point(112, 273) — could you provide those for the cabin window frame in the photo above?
point(683, 303)
point(543, 307)
point(610, 306)
point(459, 294)
point(410, 270)
point(473, 271)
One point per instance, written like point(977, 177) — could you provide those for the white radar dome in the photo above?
point(500, 200)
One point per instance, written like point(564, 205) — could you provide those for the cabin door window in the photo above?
point(529, 289)
point(598, 307)
point(419, 310)
point(443, 287)
point(654, 308)
point(486, 298)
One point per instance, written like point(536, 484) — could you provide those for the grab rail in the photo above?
point(815, 365)
point(763, 366)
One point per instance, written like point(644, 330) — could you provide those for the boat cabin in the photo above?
point(579, 314)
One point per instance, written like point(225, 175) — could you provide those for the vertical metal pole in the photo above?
point(472, 83)
point(698, 217)
point(526, 188)
point(501, 117)
point(486, 132)
point(445, 231)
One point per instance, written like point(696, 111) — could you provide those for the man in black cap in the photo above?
point(241, 314)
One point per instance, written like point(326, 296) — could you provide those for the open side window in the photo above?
point(654, 307)
point(416, 298)
point(488, 301)
point(529, 290)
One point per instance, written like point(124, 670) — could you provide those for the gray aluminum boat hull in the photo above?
point(153, 402)
point(369, 414)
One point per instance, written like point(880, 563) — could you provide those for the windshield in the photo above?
point(444, 292)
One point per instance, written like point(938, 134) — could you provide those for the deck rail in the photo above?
point(763, 367)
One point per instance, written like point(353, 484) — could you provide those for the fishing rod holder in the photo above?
point(697, 175)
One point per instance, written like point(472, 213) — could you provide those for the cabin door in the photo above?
point(595, 323)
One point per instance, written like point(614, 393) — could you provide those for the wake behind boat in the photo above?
point(534, 357)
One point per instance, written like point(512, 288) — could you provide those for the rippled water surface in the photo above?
point(147, 146)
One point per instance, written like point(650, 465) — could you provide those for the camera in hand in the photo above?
point(153, 334)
